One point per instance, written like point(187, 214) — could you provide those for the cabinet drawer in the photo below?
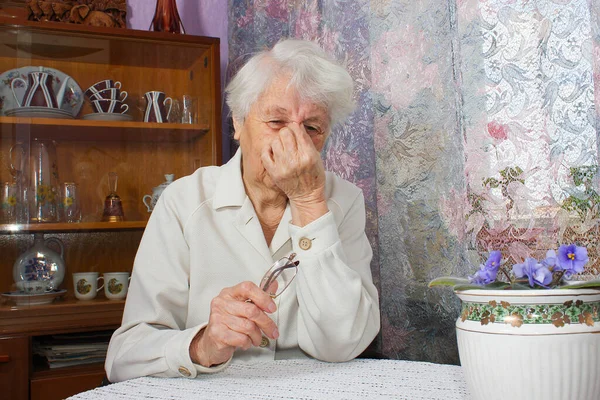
point(14, 368)
point(59, 387)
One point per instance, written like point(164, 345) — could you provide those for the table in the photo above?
point(301, 380)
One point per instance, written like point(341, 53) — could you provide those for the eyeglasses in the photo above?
point(280, 275)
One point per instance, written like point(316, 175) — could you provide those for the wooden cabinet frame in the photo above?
point(141, 153)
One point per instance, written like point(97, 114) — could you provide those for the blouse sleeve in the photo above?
point(338, 303)
point(152, 339)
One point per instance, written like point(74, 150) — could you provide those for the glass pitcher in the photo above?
point(43, 193)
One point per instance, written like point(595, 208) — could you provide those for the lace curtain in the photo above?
point(476, 129)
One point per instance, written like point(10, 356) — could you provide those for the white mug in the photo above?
point(86, 285)
point(116, 285)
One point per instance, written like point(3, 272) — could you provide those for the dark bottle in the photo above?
point(166, 18)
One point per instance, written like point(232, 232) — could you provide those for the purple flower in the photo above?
point(487, 273)
point(550, 260)
point(537, 273)
point(493, 261)
point(484, 276)
point(571, 259)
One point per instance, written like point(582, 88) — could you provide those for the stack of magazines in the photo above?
point(73, 348)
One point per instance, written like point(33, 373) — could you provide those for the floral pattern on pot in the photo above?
point(570, 312)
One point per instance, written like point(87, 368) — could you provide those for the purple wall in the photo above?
point(204, 18)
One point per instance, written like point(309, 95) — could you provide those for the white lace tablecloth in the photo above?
point(362, 379)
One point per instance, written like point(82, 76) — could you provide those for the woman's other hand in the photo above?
point(237, 319)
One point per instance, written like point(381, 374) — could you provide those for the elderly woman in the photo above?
point(194, 304)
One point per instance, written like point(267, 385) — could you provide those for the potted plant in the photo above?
point(529, 332)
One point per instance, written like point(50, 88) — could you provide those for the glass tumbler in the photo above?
point(189, 110)
point(70, 202)
point(9, 203)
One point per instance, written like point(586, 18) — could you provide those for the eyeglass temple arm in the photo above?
point(276, 272)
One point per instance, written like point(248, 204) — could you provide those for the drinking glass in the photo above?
point(279, 276)
point(9, 203)
point(189, 110)
point(70, 202)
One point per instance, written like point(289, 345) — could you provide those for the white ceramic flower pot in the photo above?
point(530, 345)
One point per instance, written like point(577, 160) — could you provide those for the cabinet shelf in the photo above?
point(44, 372)
point(86, 130)
point(62, 316)
point(73, 227)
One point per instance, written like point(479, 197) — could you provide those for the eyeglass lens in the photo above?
point(279, 276)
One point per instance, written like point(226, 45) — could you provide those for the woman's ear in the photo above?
point(237, 129)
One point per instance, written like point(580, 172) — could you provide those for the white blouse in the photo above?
point(203, 236)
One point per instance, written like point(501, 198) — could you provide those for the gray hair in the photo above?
point(316, 77)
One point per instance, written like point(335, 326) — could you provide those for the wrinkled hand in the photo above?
point(234, 323)
point(295, 166)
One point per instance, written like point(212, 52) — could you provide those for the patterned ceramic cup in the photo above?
point(117, 284)
point(110, 94)
point(155, 107)
point(98, 86)
point(109, 106)
point(86, 285)
point(34, 287)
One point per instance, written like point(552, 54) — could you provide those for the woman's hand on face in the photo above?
point(234, 322)
point(295, 166)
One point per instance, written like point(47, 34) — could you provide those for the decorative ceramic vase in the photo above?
point(166, 17)
point(41, 263)
point(530, 344)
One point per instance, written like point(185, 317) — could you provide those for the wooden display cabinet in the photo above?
point(141, 153)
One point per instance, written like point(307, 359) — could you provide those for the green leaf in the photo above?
point(447, 281)
point(588, 284)
point(491, 286)
point(497, 285)
point(468, 287)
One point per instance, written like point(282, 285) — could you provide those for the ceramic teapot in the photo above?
point(40, 263)
point(39, 91)
point(150, 201)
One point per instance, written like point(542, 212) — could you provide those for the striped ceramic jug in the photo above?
point(39, 91)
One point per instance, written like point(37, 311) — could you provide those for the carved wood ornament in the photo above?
point(109, 13)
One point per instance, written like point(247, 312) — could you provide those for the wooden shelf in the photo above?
point(57, 40)
point(42, 371)
point(86, 130)
point(62, 316)
point(73, 227)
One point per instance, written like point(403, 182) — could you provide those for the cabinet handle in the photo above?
point(4, 358)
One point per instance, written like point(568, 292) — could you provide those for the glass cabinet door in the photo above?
point(94, 123)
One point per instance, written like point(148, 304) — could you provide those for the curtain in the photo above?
point(476, 130)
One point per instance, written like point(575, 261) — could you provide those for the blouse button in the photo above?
point(184, 371)
point(305, 243)
point(264, 342)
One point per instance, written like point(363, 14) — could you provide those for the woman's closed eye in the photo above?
point(312, 130)
point(276, 124)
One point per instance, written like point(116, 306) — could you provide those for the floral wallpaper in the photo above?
point(476, 130)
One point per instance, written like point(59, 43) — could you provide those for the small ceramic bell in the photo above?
point(113, 207)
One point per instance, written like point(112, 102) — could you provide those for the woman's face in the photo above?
point(278, 107)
